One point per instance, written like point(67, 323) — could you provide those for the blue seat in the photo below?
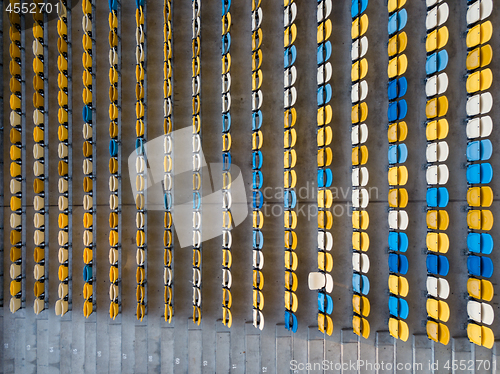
point(325, 178)
point(480, 266)
point(257, 179)
point(256, 120)
point(290, 55)
point(258, 239)
point(480, 243)
point(436, 62)
point(226, 161)
point(290, 199)
point(397, 153)
point(139, 3)
point(479, 150)
point(437, 265)
point(397, 21)
point(324, 52)
point(139, 146)
point(398, 241)
point(87, 273)
point(226, 122)
point(360, 284)
point(87, 114)
point(324, 94)
point(113, 148)
point(226, 43)
point(257, 200)
point(397, 110)
point(291, 322)
point(257, 160)
point(398, 307)
point(226, 5)
point(397, 88)
point(479, 173)
point(113, 5)
point(196, 200)
point(437, 197)
point(167, 200)
point(398, 263)
point(325, 303)
point(358, 7)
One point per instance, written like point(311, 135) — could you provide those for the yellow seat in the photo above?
point(290, 240)
point(113, 310)
point(479, 81)
point(359, 26)
point(397, 132)
point(291, 281)
point(480, 219)
point(324, 116)
point(359, 155)
point(437, 219)
point(437, 242)
point(398, 285)
point(397, 44)
point(479, 34)
point(480, 289)
point(480, 196)
point(479, 57)
point(360, 241)
point(437, 39)
point(480, 335)
point(325, 220)
point(360, 220)
point(15, 287)
point(398, 198)
point(290, 158)
point(324, 136)
point(290, 137)
point(361, 305)
point(324, 31)
point(397, 66)
point(290, 117)
point(399, 329)
point(325, 157)
point(291, 260)
point(325, 198)
point(291, 301)
point(437, 129)
point(62, 273)
point(394, 5)
point(325, 261)
point(436, 107)
point(359, 113)
point(438, 309)
point(359, 69)
point(325, 324)
point(361, 327)
point(88, 308)
point(38, 289)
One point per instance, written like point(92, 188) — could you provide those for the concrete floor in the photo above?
point(49, 344)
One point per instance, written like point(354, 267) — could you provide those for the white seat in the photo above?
point(227, 278)
point(196, 220)
point(37, 47)
point(360, 177)
point(474, 311)
point(480, 103)
point(113, 57)
point(226, 102)
point(196, 143)
point(227, 200)
point(437, 16)
point(139, 220)
point(324, 10)
point(38, 220)
point(196, 87)
point(360, 262)
point(437, 152)
point(226, 82)
point(38, 169)
point(61, 307)
point(479, 127)
point(196, 297)
point(398, 219)
point(62, 290)
point(290, 96)
point(290, 76)
point(360, 198)
point(479, 10)
point(258, 319)
point(87, 131)
point(167, 107)
point(38, 203)
point(359, 48)
point(139, 257)
point(437, 174)
point(86, 24)
point(430, 3)
point(167, 181)
point(87, 166)
point(15, 271)
point(15, 220)
point(324, 73)
point(140, 164)
point(196, 238)
point(196, 277)
point(359, 91)
point(487, 313)
point(325, 240)
point(113, 256)
point(167, 276)
point(438, 287)
point(196, 162)
point(62, 185)
point(359, 134)
point(318, 280)
point(139, 54)
point(62, 150)
point(227, 239)
point(38, 152)
point(256, 100)
point(38, 271)
point(258, 259)
point(167, 144)
point(436, 85)
point(257, 17)
point(113, 183)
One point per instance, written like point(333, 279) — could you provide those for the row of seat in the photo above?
point(114, 161)
point(65, 150)
point(257, 176)
point(479, 194)
point(17, 140)
point(89, 148)
point(40, 103)
point(437, 151)
point(168, 152)
point(290, 175)
point(141, 167)
point(196, 102)
point(227, 318)
point(398, 174)
point(321, 280)
point(360, 173)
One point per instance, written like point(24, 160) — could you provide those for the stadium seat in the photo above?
point(437, 197)
point(398, 263)
point(398, 241)
point(438, 332)
point(480, 243)
point(359, 26)
point(437, 39)
point(397, 21)
point(437, 16)
point(479, 57)
point(480, 220)
point(480, 335)
point(398, 220)
point(437, 129)
point(480, 312)
point(480, 289)
point(437, 151)
point(480, 266)
point(479, 10)
point(398, 285)
point(398, 307)
point(399, 329)
point(438, 309)
point(437, 242)
point(397, 44)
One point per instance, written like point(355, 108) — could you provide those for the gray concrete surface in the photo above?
point(74, 345)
